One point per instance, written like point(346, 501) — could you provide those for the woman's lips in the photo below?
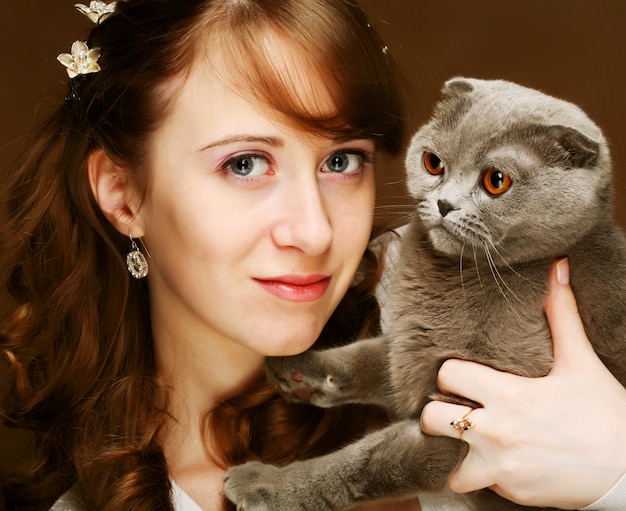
point(296, 288)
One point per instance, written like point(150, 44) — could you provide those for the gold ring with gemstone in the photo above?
point(463, 424)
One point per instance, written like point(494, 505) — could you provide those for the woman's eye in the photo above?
point(248, 165)
point(345, 162)
point(432, 164)
point(496, 182)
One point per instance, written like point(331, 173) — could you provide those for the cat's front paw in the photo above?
point(310, 378)
point(255, 486)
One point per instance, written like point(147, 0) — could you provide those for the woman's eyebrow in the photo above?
point(270, 141)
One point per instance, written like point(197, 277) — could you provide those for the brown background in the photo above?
point(575, 49)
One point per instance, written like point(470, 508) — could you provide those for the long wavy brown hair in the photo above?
point(77, 337)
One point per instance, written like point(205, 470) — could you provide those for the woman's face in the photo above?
point(254, 229)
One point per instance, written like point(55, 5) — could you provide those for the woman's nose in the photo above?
point(303, 220)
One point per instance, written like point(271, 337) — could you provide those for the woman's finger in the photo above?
point(571, 345)
point(437, 418)
point(473, 474)
point(472, 380)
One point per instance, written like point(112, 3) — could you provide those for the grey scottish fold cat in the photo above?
point(505, 180)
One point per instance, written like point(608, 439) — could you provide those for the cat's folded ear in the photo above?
point(577, 150)
point(457, 86)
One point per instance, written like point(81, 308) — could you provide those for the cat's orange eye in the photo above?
point(496, 182)
point(432, 163)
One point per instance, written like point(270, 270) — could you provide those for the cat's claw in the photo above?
point(242, 487)
point(306, 378)
point(255, 486)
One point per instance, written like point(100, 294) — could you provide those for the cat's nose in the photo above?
point(445, 207)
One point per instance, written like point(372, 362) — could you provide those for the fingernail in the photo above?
point(562, 271)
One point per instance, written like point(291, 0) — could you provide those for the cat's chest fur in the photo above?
point(441, 309)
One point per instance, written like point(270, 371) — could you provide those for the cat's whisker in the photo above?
point(461, 268)
point(392, 182)
point(496, 276)
point(394, 204)
point(400, 199)
point(506, 263)
point(500, 280)
point(405, 207)
point(395, 222)
point(477, 267)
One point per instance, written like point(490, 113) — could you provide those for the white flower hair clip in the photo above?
point(81, 61)
point(97, 11)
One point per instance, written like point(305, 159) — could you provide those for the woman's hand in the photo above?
point(556, 441)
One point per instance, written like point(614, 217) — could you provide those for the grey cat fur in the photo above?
point(470, 283)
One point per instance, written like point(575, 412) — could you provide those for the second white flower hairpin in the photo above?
point(97, 11)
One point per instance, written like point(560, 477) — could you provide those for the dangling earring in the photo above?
point(136, 261)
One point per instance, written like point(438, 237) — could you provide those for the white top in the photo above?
point(182, 501)
point(613, 500)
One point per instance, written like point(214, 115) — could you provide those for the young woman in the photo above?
point(222, 150)
point(227, 147)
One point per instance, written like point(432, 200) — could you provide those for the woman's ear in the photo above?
point(114, 194)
